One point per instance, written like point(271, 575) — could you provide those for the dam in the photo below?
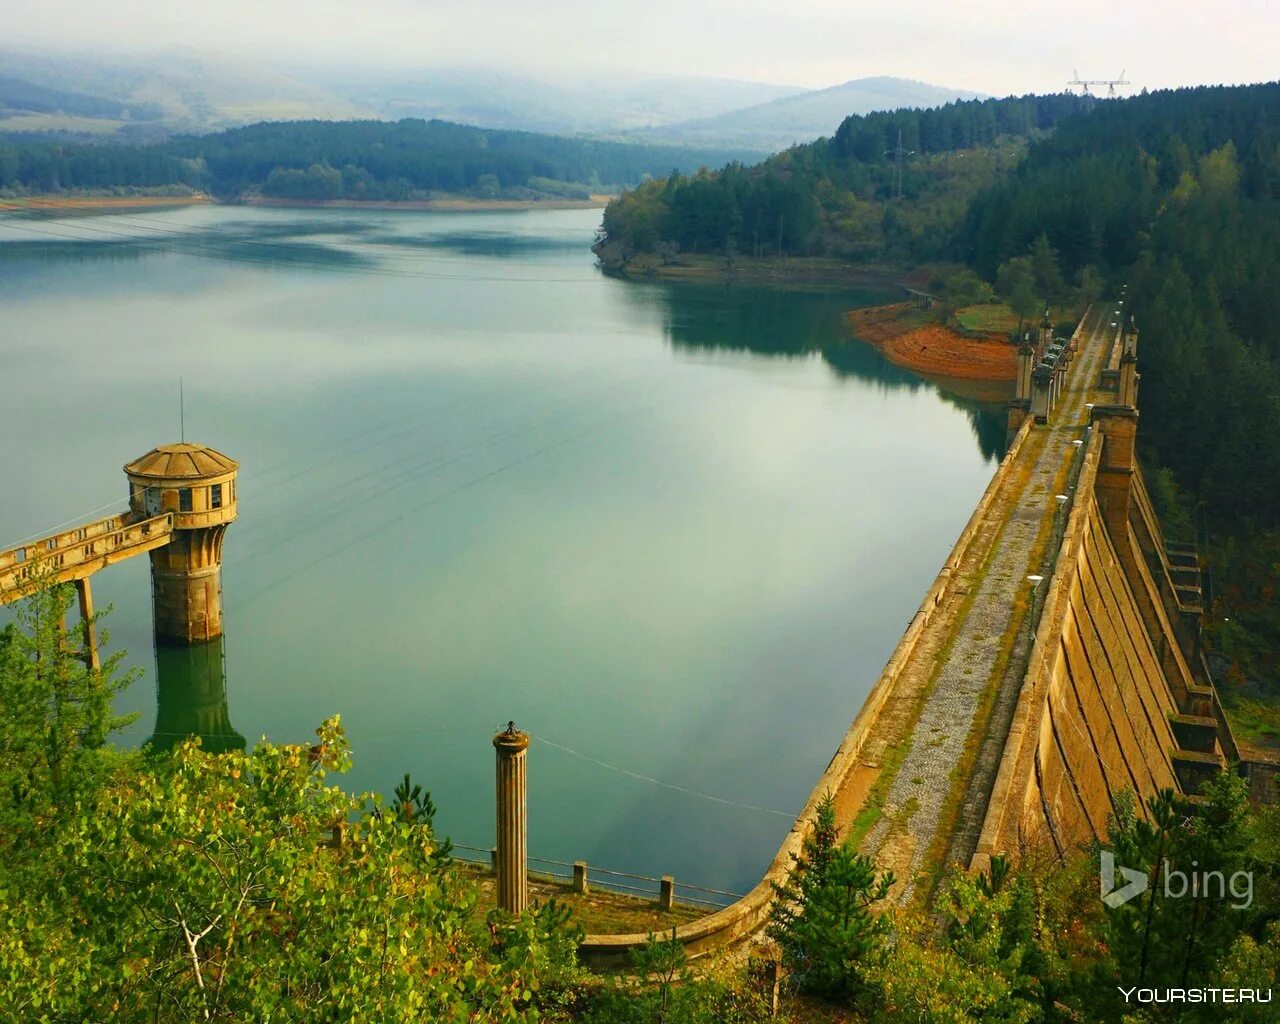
point(1054, 663)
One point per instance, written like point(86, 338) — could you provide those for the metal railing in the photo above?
point(74, 553)
point(662, 890)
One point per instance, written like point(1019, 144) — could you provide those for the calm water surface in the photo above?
point(673, 531)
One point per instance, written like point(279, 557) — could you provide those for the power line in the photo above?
point(665, 785)
point(69, 522)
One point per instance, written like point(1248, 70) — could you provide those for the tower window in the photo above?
point(215, 496)
point(184, 499)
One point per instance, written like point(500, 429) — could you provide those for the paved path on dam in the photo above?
point(930, 768)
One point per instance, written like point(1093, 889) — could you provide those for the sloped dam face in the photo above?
point(674, 531)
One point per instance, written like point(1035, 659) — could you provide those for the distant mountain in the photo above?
point(593, 103)
point(196, 93)
point(179, 92)
point(148, 96)
point(18, 96)
point(783, 122)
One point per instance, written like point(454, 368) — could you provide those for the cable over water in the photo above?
point(665, 785)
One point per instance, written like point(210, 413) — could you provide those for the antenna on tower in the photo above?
point(182, 412)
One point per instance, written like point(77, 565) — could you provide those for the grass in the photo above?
point(1000, 319)
point(599, 912)
point(993, 316)
point(1256, 721)
point(873, 806)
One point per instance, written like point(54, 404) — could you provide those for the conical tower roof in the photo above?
point(182, 462)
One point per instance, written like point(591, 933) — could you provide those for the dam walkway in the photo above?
point(921, 783)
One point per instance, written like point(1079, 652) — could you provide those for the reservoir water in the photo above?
point(674, 531)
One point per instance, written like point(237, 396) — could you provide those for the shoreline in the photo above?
point(919, 341)
point(794, 270)
point(62, 201)
point(458, 204)
point(451, 204)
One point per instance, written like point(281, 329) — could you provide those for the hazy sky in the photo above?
point(995, 47)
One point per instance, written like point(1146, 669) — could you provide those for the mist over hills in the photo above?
point(788, 120)
point(594, 103)
point(153, 96)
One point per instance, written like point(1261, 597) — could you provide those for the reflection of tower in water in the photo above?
point(191, 698)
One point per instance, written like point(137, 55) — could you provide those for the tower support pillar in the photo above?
point(90, 635)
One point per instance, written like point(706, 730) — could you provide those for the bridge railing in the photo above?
point(85, 547)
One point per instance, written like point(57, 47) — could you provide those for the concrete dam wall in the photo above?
point(1096, 714)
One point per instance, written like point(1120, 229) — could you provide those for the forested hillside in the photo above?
point(1179, 194)
point(350, 160)
point(1176, 192)
point(835, 195)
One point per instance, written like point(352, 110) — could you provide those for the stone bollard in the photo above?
point(667, 893)
point(580, 877)
point(493, 859)
point(513, 820)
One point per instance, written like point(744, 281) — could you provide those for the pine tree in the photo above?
point(823, 918)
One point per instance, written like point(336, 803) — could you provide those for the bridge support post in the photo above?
point(1026, 363)
point(513, 820)
point(90, 633)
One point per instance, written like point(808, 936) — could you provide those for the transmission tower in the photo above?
point(1084, 83)
point(898, 154)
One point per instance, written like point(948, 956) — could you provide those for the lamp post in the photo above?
point(1035, 581)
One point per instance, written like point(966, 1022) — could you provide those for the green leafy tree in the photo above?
point(245, 887)
point(965, 288)
point(55, 712)
point(1016, 283)
point(1045, 270)
point(669, 993)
